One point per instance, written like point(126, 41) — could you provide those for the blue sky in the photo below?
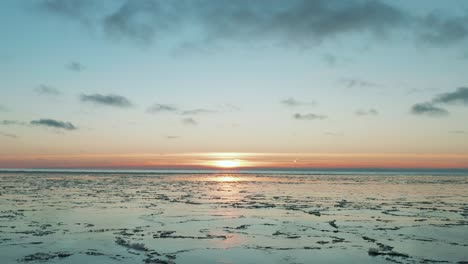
point(363, 77)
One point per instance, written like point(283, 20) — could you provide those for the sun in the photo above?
point(227, 164)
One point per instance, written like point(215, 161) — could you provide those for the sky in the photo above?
point(316, 83)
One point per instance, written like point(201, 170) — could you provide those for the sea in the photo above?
point(234, 216)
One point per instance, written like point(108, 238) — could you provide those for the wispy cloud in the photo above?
point(291, 102)
point(439, 30)
point(12, 123)
point(108, 100)
point(77, 10)
point(357, 83)
point(333, 134)
point(189, 121)
point(308, 116)
point(369, 112)
point(428, 109)
point(47, 90)
point(75, 66)
point(459, 132)
point(8, 135)
point(161, 108)
point(198, 111)
point(54, 124)
point(228, 107)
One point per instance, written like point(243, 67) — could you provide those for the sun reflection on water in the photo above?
point(227, 179)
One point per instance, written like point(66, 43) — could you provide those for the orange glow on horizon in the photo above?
point(237, 160)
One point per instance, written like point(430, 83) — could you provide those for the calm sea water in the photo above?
point(240, 216)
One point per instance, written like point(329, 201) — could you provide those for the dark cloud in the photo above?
point(459, 96)
point(189, 121)
point(438, 30)
point(298, 22)
point(171, 137)
point(47, 90)
point(357, 83)
point(198, 111)
point(308, 116)
point(160, 108)
point(75, 66)
point(428, 109)
point(54, 124)
point(8, 135)
point(293, 102)
point(109, 100)
point(363, 112)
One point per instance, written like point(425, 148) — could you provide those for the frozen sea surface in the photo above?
point(254, 217)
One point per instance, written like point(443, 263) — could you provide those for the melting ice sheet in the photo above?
point(232, 218)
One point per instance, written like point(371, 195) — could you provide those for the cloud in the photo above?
point(298, 22)
point(438, 30)
point(459, 96)
point(428, 109)
point(72, 9)
point(109, 100)
point(3, 108)
point(171, 137)
point(357, 83)
point(189, 121)
point(198, 111)
point(291, 102)
point(75, 66)
point(8, 135)
point(47, 90)
point(159, 108)
point(332, 134)
point(54, 124)
point(308, 116)
point(138, 20)
point(12, 123)
point(363, 112)
point(458, 132)
point(228, 107)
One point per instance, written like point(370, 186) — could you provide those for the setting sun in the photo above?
point(227, 163)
